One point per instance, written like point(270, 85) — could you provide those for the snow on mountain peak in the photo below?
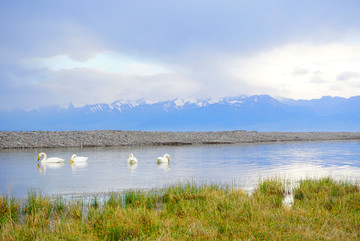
point(179, 102)
point(68, 106)
point(95, 108)
point(235, 102)
point(215, 100)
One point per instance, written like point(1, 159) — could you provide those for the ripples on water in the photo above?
point(241, 165)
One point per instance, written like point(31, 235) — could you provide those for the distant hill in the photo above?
point(259, 112)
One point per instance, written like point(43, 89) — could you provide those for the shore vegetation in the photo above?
point(322, 209)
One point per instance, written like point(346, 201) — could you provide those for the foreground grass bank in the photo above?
point(322, 209)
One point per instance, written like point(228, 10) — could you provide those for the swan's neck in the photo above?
point(44, 155)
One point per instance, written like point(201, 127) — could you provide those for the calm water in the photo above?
point(240, 165)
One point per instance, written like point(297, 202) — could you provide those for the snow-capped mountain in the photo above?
point(118, 105)
point(259, 112)
point(124, 106)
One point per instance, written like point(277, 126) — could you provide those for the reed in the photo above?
point(322, 209)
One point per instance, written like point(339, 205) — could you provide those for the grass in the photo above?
point(323, 209)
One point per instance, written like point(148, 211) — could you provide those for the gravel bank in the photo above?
point(36, 139)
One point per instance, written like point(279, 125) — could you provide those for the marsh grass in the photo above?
point(322, 209)
point(9, 210)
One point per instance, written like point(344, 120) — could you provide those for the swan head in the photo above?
point(131, 155)
point(40, 155)
point(72, 158)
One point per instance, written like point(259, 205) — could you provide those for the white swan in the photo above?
point(49, 160)
point(162, 159)
point(132, 159)
point(74, 158)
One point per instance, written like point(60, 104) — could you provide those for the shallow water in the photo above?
point(241, 165)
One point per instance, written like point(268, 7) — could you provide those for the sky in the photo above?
point(88, 52)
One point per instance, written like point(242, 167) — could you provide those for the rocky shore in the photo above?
point(48, 139)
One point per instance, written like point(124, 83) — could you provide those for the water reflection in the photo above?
point(132, 166)
point(78, 165)
point(164, 165)
point(289, 193)
point(242, 166)
point(43, 166)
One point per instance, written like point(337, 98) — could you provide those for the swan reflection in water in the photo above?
point(78, 165)
point(43, 166)
point(132, 166)
point(164, 165)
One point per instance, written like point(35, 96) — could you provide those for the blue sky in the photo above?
point(86, 52)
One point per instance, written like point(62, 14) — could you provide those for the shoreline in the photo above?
point(114, 138)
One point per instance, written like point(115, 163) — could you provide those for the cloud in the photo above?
point(316, 69)
point(85, 86)
point(299, 72)
point(104, 61)
point(317, 79)
point(88, 52)
point(159, 28)
point(348, 75)
point(295, 71)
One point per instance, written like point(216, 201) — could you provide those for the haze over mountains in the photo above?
point(259, 112)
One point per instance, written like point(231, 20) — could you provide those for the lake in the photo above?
point(240, 165)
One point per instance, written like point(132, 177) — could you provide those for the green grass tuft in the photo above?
point(322, 209)
point(9, 210)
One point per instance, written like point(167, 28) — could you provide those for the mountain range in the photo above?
point(258, 112)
